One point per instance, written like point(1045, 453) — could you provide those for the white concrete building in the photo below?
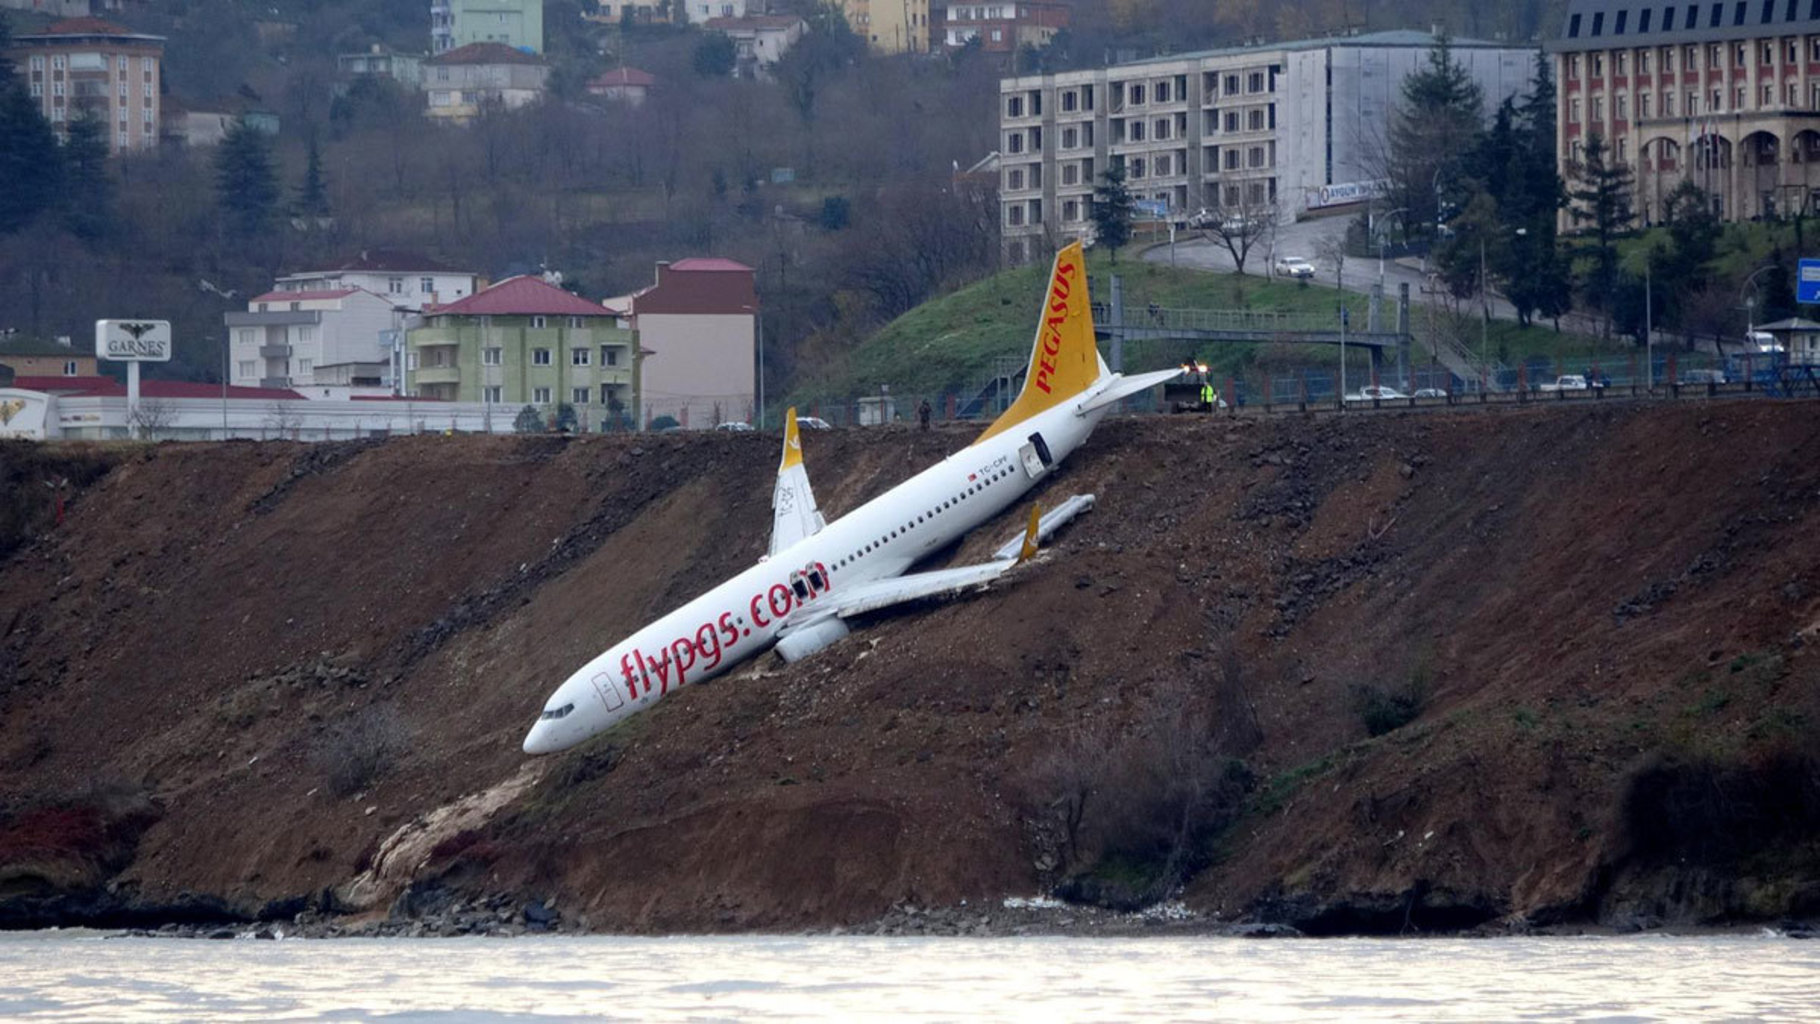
point(410, 281)
point(760, 40)
point(1291, 125)
point(469, 78)
point(295, 339)
point(697, 327)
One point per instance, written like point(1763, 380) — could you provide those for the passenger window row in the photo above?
point(925, 517)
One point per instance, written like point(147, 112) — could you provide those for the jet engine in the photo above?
point(804, 641)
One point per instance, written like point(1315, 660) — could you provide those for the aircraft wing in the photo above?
point(793, 512)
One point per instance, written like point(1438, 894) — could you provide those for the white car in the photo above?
point(734, 427)
point(812, 423)
point(1293, 266)
point(1375, 393)
point(1430, 393)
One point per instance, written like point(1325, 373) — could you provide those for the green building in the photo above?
point(524, 342)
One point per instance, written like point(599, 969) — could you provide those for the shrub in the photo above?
point(1385, 709)
point(527, 421)
point(357, 751)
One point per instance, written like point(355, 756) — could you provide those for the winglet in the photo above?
point(1064, 358)
point(1029, 550)
point(793, 442)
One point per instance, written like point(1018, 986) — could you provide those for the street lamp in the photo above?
point(1375, 232)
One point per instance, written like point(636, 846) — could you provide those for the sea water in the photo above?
point(59, 976)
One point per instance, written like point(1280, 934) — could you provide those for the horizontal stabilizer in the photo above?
point(1053, 520)
point(1122, 388)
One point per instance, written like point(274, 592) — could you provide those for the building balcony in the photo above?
point(274, 382)
point(438, 375)
point(285, 318)
point(613, 375)
point(274, 351)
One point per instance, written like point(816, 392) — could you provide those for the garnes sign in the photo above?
point(133, 341)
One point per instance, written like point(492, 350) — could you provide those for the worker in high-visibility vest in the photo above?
point(1207, 394)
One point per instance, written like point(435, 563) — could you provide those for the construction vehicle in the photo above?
point(1194, 390)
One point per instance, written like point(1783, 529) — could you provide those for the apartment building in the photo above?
point(759, 41)
point(87, 67)
point(890, 26)
point(408, 280)
point(1724, 94)
point(1000, 27)
point(1285, 129)
point(514, 23)
point(325, 337)
point(469, 78)
point(698, 328)
point(31, 357)
point(526, 342)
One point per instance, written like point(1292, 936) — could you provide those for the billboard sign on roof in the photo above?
point(133, 341)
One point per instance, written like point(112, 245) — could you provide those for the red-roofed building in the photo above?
point(759, 41)
point(82, 67)
point(698, 328)
point(468, 78)
point(527, 342)
point(408, 280)
point(622, 85)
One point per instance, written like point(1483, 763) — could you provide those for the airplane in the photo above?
point(818, 574)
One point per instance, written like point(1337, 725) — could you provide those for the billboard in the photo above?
point(1807, 282)
point(133, 341)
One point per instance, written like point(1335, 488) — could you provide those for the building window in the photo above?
point(492, 356)
point(1668, 104)
point(1014, 106)
point(1071, 138)
point(1621, 106)
point(1232, 85)
point(1643, 106)
point(1254, 120)
point(492, 394)
point(1254, 157)
point(1071, 211)
point(1135, 168)
point(537, 323)
point(1014, 215)
point(1618, 62)
point(1014, 179)
point(1598, 108)
point(1137, 94)
point(609, 356)
point(1232, 121)
point(69, 368)
point(248, 368)
point(1573, 68)
point(1162, 165)
point(37, 63)
point(1255, 82)
point(1232, 159)
point(305, 366)
point(1071, 175)
point(426, 285)
point(1137, 130)
point(1598, 65)
point(540, 396)
point(578, 395)
point(1643, 55)
point(540, 357)
point(578, 357)
point(306, 333)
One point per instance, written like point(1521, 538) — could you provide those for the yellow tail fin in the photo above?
point(1064, 360)
point(793, 442)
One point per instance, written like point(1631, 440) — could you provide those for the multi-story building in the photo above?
point(408, 280)
point(378, 62)
point(759, 41)
point(890, 26)
point(1286, 128)
point(514, 23)
point(698, 328)
point(700, 11)
point(526, 342)
point(1000, 26)
point(469, 78)
point(87, 67)
point(622, 85)
point(1724, 94)
point(326, 338)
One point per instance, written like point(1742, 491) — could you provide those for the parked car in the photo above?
point(812, 423)
point(734, 427)
point(1375, 393)
point(1293, 266)
point(1566, 382)
point(1430, 393)
point(1702, 376)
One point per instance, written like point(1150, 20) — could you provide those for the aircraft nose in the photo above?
point(540, 741)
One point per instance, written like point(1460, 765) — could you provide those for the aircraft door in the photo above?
point(1042, 449)
point(608, 690)
point(1035, 456)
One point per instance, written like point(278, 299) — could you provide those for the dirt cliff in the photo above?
point(1425, 671)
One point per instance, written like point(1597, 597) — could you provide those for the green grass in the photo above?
point(951, 343)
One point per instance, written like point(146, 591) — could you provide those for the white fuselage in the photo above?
point(742, 617)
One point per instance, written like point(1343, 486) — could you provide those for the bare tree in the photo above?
point(151, 417)
point(284, 419)
point(1242, 224)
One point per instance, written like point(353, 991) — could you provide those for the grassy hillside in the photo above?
point(949, 344)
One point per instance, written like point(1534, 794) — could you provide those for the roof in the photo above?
point(710, 263)
point(623, 76)
point(1600, 24)
point(85, 27)
point(1793, 323)
point(1390, 38)
point(22, 346)
point(520, 296)
point(400, 260)
point(755, 22)
point(335, 293)
point(486, 53)
point(108, 387)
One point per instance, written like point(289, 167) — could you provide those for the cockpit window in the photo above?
point(551, 714)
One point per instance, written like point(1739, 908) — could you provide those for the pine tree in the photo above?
point(312, 196)
point(31, 165)
point(245, 182)
point(1441, 113)
point(1112, 210)
point(88, 192)
point(1601, 198)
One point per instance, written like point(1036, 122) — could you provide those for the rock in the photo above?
point(221, 933)
point(1264, 930)
point(535, 913)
